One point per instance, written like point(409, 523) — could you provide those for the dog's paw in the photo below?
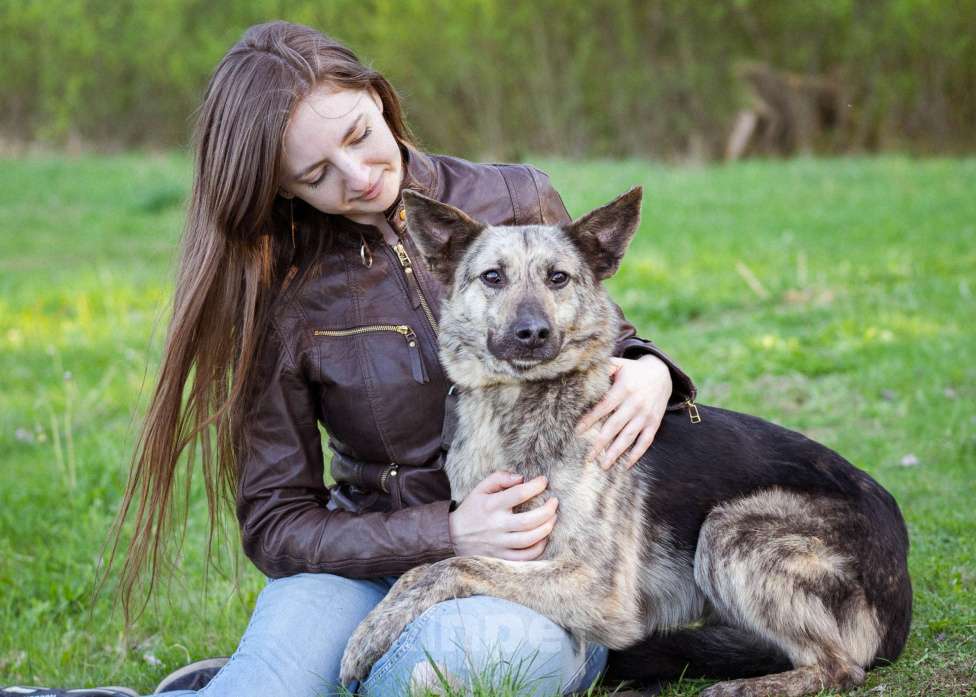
point(372, 638)
point(722, 689)
point(729, 688)
point(380, 628)
point(357, 660)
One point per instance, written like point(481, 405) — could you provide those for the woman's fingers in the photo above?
point(611, 428)
point(499, 480)
point(510, 498)
point(642, 444)
point(628, 434)
point(611, 400)
point(601, 409)
point(529, 520)
point(522, 540)
point(527, 554)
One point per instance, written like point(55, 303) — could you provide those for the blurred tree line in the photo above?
point(501, 78)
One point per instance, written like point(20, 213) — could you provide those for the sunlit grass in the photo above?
point(835, 297)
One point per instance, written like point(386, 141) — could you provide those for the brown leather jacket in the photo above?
point(356, 350)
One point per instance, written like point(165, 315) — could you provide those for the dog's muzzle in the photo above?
point(529, 339)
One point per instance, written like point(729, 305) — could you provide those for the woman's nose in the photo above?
point(356, 173)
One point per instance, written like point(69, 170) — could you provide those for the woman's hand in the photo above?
point(484, 524)
point(636, 403)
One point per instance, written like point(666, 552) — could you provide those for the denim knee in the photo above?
point(482, 638)
point(296, 636)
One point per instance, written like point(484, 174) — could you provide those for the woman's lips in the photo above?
point(373, 191)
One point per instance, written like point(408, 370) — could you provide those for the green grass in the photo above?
point(835, 297)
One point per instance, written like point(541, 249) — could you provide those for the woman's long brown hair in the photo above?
point(237, 249)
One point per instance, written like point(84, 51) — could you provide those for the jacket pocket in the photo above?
point(417, 367)
point(416, 485)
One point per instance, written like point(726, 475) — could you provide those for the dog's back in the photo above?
point(776, 524)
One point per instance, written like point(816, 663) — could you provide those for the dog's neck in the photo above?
point(535, 420)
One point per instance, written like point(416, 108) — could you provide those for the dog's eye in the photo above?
point(492, 277)
point(558, 278)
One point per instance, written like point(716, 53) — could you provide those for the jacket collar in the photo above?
point(420, 175)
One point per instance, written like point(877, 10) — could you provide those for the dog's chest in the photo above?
point(595, 505)
point(483, 446)
point(492, 435)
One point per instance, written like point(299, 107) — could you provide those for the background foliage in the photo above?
point(603, 77)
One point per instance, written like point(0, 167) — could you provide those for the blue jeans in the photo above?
point(295, 638)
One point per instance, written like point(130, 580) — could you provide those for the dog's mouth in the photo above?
point(525, 361)
point(522, 358)
point(521, 364)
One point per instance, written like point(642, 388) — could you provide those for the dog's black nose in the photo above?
point(532, 332)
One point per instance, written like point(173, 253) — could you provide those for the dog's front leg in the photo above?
point(385, 622)
point(563, 591)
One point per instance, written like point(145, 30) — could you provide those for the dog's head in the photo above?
point(524, 302)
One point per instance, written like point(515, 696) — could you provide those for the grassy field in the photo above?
point(834, 297)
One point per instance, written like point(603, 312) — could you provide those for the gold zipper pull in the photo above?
point(417, 368)
point(693, 412)
point(407, 265)
point(401, 253)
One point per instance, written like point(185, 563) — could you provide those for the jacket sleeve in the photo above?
point(629, 345)
point(286, 527)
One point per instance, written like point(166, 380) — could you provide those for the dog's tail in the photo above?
point(713, 651)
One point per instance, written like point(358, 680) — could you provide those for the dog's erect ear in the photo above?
point(602, 235)
point(442, 233)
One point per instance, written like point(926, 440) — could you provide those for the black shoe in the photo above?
point(194, 676)
point(21, 691)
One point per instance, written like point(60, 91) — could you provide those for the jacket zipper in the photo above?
point(407, 265)
point(416, 360)
point(692, 411)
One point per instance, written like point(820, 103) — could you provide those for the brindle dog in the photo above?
point(734, 549)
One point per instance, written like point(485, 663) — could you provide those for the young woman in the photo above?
point(301, 301)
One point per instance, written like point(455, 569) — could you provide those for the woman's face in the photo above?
point(339, 155)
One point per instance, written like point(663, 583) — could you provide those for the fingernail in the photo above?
point(512, 475)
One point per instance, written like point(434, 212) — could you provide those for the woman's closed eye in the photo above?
point(325, 169)
point(318, 181)
point(363, 137)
